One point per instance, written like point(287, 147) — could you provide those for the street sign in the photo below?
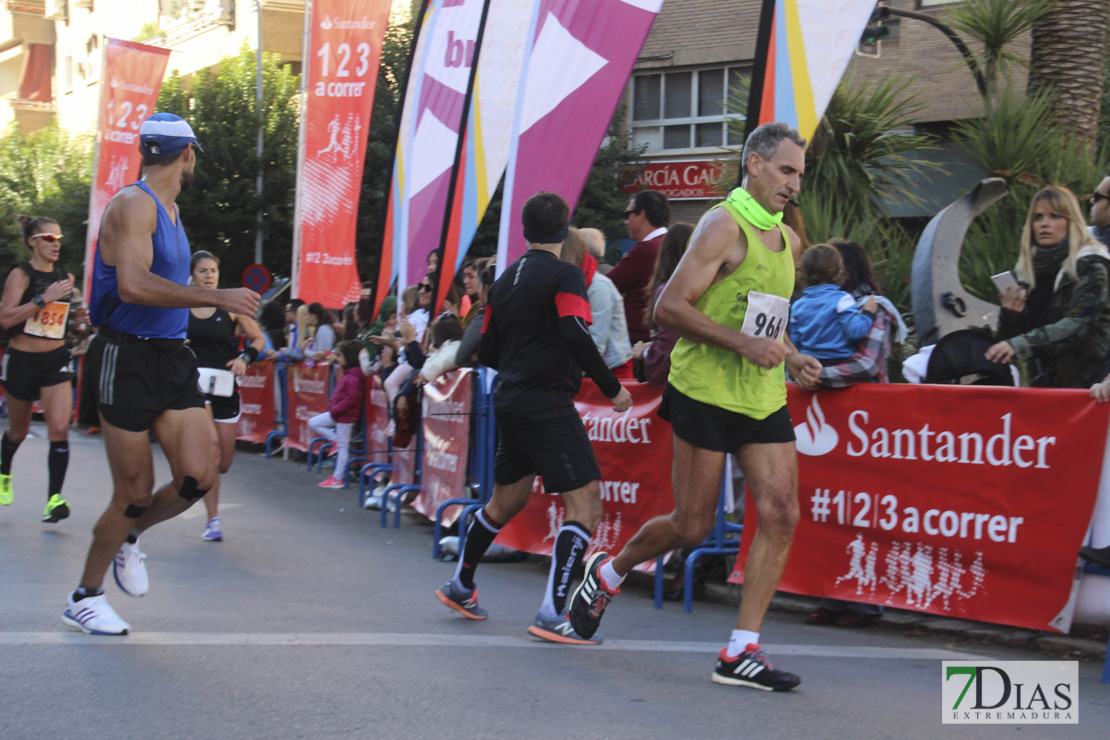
point(257, 278)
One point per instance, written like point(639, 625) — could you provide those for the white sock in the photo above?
point(739, 641)
point(610, 577)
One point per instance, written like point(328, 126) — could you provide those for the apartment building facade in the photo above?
point(67, 38)
point(700, 51)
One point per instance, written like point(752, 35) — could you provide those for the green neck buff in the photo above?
point(752, 212)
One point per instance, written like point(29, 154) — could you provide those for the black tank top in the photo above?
point(40, 281)
point(213, 339)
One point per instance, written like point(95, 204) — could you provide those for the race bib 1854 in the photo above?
point(49, 321)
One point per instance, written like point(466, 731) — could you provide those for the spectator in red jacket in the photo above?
point(648, 214)
point(344, 408)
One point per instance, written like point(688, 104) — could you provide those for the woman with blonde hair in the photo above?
point(1059, 317)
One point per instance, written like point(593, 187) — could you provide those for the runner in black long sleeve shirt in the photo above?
point(535, 334)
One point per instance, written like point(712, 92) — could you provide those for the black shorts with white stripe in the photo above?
point(131, 381)
point(23, 374)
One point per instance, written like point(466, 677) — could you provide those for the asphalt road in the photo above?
point(310, 621)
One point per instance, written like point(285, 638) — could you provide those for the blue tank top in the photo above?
point(170, 261)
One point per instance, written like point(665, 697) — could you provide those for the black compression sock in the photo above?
point(7, 452)
point(84, 593)
point(570, 545)
point(479, 536)
point(57, 460)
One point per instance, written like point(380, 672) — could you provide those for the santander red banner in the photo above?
point(307, 397)
point(129, 89)
point(969, 502)
point(341, 56)
point(446, 443)
point(256, 403)
point(633, 450)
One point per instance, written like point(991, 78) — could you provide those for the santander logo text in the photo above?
point(999, 445)
point(815, 436)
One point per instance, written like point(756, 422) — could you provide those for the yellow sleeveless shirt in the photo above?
point(721, 377)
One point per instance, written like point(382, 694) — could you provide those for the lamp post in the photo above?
point(258, 105)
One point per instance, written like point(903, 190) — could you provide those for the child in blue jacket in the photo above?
point(825, 322)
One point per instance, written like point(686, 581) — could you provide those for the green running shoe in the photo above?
point(57, 509)
point(5, 490)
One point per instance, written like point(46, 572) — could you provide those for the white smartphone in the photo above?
point(1004, 280)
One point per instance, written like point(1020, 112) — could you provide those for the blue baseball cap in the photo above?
point(165, 133)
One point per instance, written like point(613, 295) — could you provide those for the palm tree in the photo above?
point(1068, 58)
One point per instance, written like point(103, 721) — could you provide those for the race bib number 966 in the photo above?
point(766, 315)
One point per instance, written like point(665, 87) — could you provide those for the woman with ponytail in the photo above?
point(35, 310)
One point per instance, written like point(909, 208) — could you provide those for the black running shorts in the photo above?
point(131, 381)
point(556, 449)
point(225, 409)
point(710, 427)
point(24, 373)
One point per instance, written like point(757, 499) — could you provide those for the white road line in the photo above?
point(370, 639)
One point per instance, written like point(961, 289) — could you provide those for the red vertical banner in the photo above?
point(256, 403)
point(129, 89)
point(446, 443)
point(308, 396)
point(342, 50)
point(634, 451)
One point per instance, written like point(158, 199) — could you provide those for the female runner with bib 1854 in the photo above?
point(35, 311)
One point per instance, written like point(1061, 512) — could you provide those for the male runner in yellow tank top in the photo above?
point(729, 302)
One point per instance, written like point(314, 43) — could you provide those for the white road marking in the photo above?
point(371, 639)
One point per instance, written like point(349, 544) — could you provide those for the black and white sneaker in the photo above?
point(752, 669)
point(587, 604)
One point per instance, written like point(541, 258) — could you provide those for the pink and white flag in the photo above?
point(579, 61)
point(431, 122)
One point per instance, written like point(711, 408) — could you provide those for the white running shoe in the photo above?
point(130, 570)
point(93, 616)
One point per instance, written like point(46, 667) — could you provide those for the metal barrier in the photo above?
point(481, 463)
point(283, 421)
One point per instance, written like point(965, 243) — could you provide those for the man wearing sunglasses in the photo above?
point(139, 375)
point(1100, 212)
point(648, 214)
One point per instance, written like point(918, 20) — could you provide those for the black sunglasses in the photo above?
point(1096, 197)
point(425, 287)
point(629, 213)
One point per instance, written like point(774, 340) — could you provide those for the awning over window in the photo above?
point(37, 74)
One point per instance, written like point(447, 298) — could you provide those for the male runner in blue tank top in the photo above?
point(138, 372)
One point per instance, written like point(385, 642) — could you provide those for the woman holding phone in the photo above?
point(1059, 316)
point(35, 309)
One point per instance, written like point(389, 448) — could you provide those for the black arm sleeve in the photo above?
point(581, 345)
